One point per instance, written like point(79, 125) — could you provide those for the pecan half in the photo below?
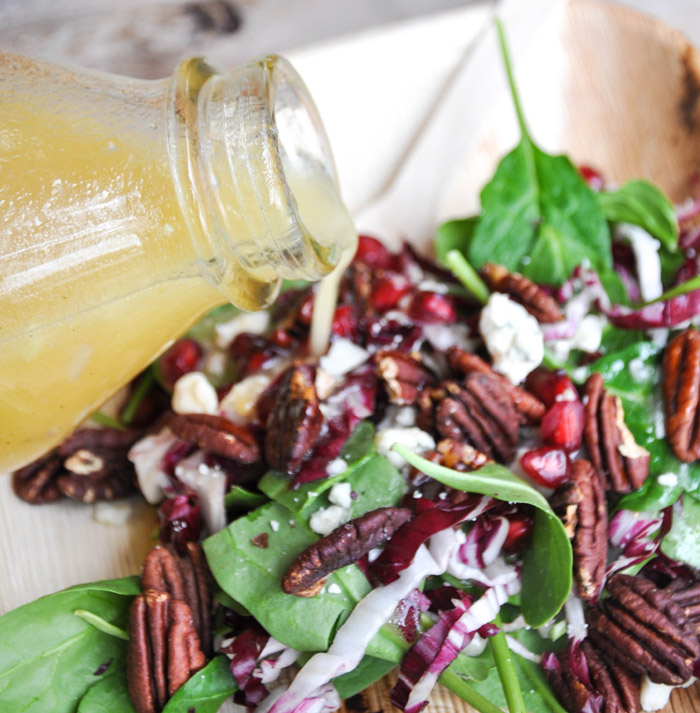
point(580, 504)
point(480, 413)
point(404, 376)
point(543, 307)
point(163, 650)
point(217, 435)
point(295, 420)
point(619, 689)
point(613, 451)
point(90, 465)
point(687, 596)
point(681, 388)
point(345, 545)
point(641, 628)
point(529, 407)
point(184, 577)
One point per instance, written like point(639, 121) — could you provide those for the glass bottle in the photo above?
point(129, 208)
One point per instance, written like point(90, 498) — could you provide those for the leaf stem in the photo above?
point(507, 671)
point(511, 78)
point(467, 275)
point(137, 396)
point(99, 623)
point(688, 286)
point(460, 687)
point(107, 421)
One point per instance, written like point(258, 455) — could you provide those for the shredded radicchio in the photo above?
point(631, 532)
point(401, 549)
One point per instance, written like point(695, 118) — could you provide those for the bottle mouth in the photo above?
point(255, 176)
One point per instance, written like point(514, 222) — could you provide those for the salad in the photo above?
point(490, 480)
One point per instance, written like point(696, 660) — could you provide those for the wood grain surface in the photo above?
point(626, 91)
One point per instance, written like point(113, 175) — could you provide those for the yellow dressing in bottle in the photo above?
point(130, 208)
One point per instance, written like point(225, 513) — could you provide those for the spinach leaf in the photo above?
point(49, 656)
point(454, 235)
point(683, 539)
point(109, 695)
point(357, 451)
point(206, 690)
point(251, 575)
point(369, 671)
point(546, 573)
point(641, 203)
point(539, 216)
point(239, 498)
point(633, 374)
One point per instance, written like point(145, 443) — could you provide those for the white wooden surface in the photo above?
point(375, 93)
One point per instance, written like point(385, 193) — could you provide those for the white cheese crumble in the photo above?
point(274, 525)
point(254, 322)
point(668, 480)
point(415, 439)
point(654, 696)
point(336, 467)
point(513, 337)
point(324, 521)
point(341, 494)
point(405, 416)
point(343, 357)
point(589, 333)
point(194, 394)
point(239, 403)
point(333, 588)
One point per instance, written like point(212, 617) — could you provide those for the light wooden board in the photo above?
point(611, 99)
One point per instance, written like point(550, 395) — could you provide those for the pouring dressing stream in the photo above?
point(131, 208)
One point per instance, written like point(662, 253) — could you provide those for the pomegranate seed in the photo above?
point(548, 467)
point(592, 177)
point(562, 425)
point(388, 291)
point(252, 352)
point(183, 357)
point(306, 310)
point(519, 531)
point(433, 308)
point(345, 322)
point(373, 253)
point(550, 386)
point(281, 338)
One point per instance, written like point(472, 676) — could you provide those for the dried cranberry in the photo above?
point(520, 528)
point(345, 322)
point(180, 520)
point(432, 308)
point(388, 291)
point(592, 177)
point(373, 253)
point(550, 386)
point(183, 357)
point(562, 425)
point(392, 334)
point(548, 467)
point(282, 338)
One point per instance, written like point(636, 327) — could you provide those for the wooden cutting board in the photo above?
point(622, 94)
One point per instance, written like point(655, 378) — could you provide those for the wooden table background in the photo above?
point(146, 38)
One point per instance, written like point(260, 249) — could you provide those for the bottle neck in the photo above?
point(255, 177)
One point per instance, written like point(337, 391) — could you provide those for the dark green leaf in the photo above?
point(641, 203)
point(633, 374)
point(683, 539)
point(49, 656)
point(238, 498)
point(109, 695)
point(546, 572)
point(369, 671)
point(251, 575)
point(206, 690)
point(454, 235)
point(360, 443)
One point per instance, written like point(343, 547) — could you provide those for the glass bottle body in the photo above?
point(129, 209)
